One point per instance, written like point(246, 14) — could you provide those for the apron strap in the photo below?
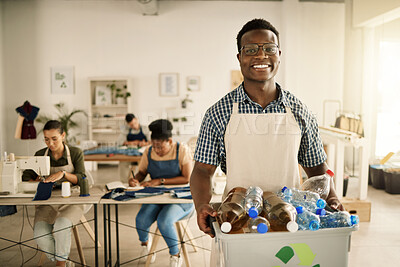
point(235, 108)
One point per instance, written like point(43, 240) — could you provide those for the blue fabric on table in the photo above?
point(43, 191)
point(120, 194)
point(113, 150)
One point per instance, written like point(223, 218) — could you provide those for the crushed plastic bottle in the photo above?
point(338, 219)
point(300, 195)
point(281, 215)
point(231, 215)
point(319, 184)
point(307, 220)
point(258, 225)
point(253, 201)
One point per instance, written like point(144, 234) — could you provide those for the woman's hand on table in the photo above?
point(54, 177)
point(133, 182)
point(152, 182)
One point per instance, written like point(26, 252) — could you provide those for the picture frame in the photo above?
point(103, 96)
point(193, 83)
point(169, 84)
point(62, 80)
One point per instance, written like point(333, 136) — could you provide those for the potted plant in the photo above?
point(121, 95)
point(65, 118)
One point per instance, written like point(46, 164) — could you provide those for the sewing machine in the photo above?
point(11, 174)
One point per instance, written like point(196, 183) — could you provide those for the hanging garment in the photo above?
point(29, 113)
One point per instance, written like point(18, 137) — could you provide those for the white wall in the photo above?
point(103, 38)
point(2, 98)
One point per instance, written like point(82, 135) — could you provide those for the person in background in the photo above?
point(53, 223)
point(258, 132)
point(168, 163)
point(132, 133)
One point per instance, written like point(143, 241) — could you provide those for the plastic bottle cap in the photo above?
point(284, 188)
point(320, 212)
point(299, 210)
point(330, 173)
point(253, 212)
point(314, 225)
point(354, 219)
point(262, 228)
point(292, 226)
point(321, 203)
point(226, 227)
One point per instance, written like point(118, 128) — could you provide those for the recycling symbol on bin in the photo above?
point(303, 252)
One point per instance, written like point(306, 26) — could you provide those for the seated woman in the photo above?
point(168, 163)
point(52, 224)
point(132, 133)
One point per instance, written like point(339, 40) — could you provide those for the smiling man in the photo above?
point(258, 132)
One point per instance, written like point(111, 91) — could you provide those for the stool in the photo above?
point(182, 231)
point(77, 241)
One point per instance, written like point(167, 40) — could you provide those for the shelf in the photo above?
point(110, 106)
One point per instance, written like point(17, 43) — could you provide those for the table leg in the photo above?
point(117, 233)
point(105, 234)
point(96, 237)
point(109, 232)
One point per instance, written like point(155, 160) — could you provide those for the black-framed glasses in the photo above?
point(252, 49)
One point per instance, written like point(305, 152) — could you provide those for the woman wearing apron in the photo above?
point(52, 225)
point(168, 163)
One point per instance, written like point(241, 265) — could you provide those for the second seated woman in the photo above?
point(168, 163)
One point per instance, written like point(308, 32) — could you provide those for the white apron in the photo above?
point(261, 150)
point(49, 213)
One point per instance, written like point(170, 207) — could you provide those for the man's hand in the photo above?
point(334, 203)
point(203, 212)
point(54, 177)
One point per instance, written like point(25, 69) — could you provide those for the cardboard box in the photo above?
point(362, 208)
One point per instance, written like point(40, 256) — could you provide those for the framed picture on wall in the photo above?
point(193, 83)
point(169, 84)
point(62, 80)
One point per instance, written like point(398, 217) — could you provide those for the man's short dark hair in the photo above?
point(129, 117)
point(255, 24)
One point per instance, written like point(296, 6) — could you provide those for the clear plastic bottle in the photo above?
point(253, 201)
point(258, 225)
point(309, 205)
point(319, 184)
point(231, 214)
point(300, 195)
point(338, 219)
point(307, 220)
point(281, 215)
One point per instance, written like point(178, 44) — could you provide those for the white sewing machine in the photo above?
point(11, 174)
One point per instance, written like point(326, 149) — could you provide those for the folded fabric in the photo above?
point(120, 194)
point(182, 194)
point(43, 191)
point(113, 150)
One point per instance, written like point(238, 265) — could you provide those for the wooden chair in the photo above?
point(182, 232)
point(88, 229)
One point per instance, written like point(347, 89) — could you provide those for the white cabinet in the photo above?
point(106, 111)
